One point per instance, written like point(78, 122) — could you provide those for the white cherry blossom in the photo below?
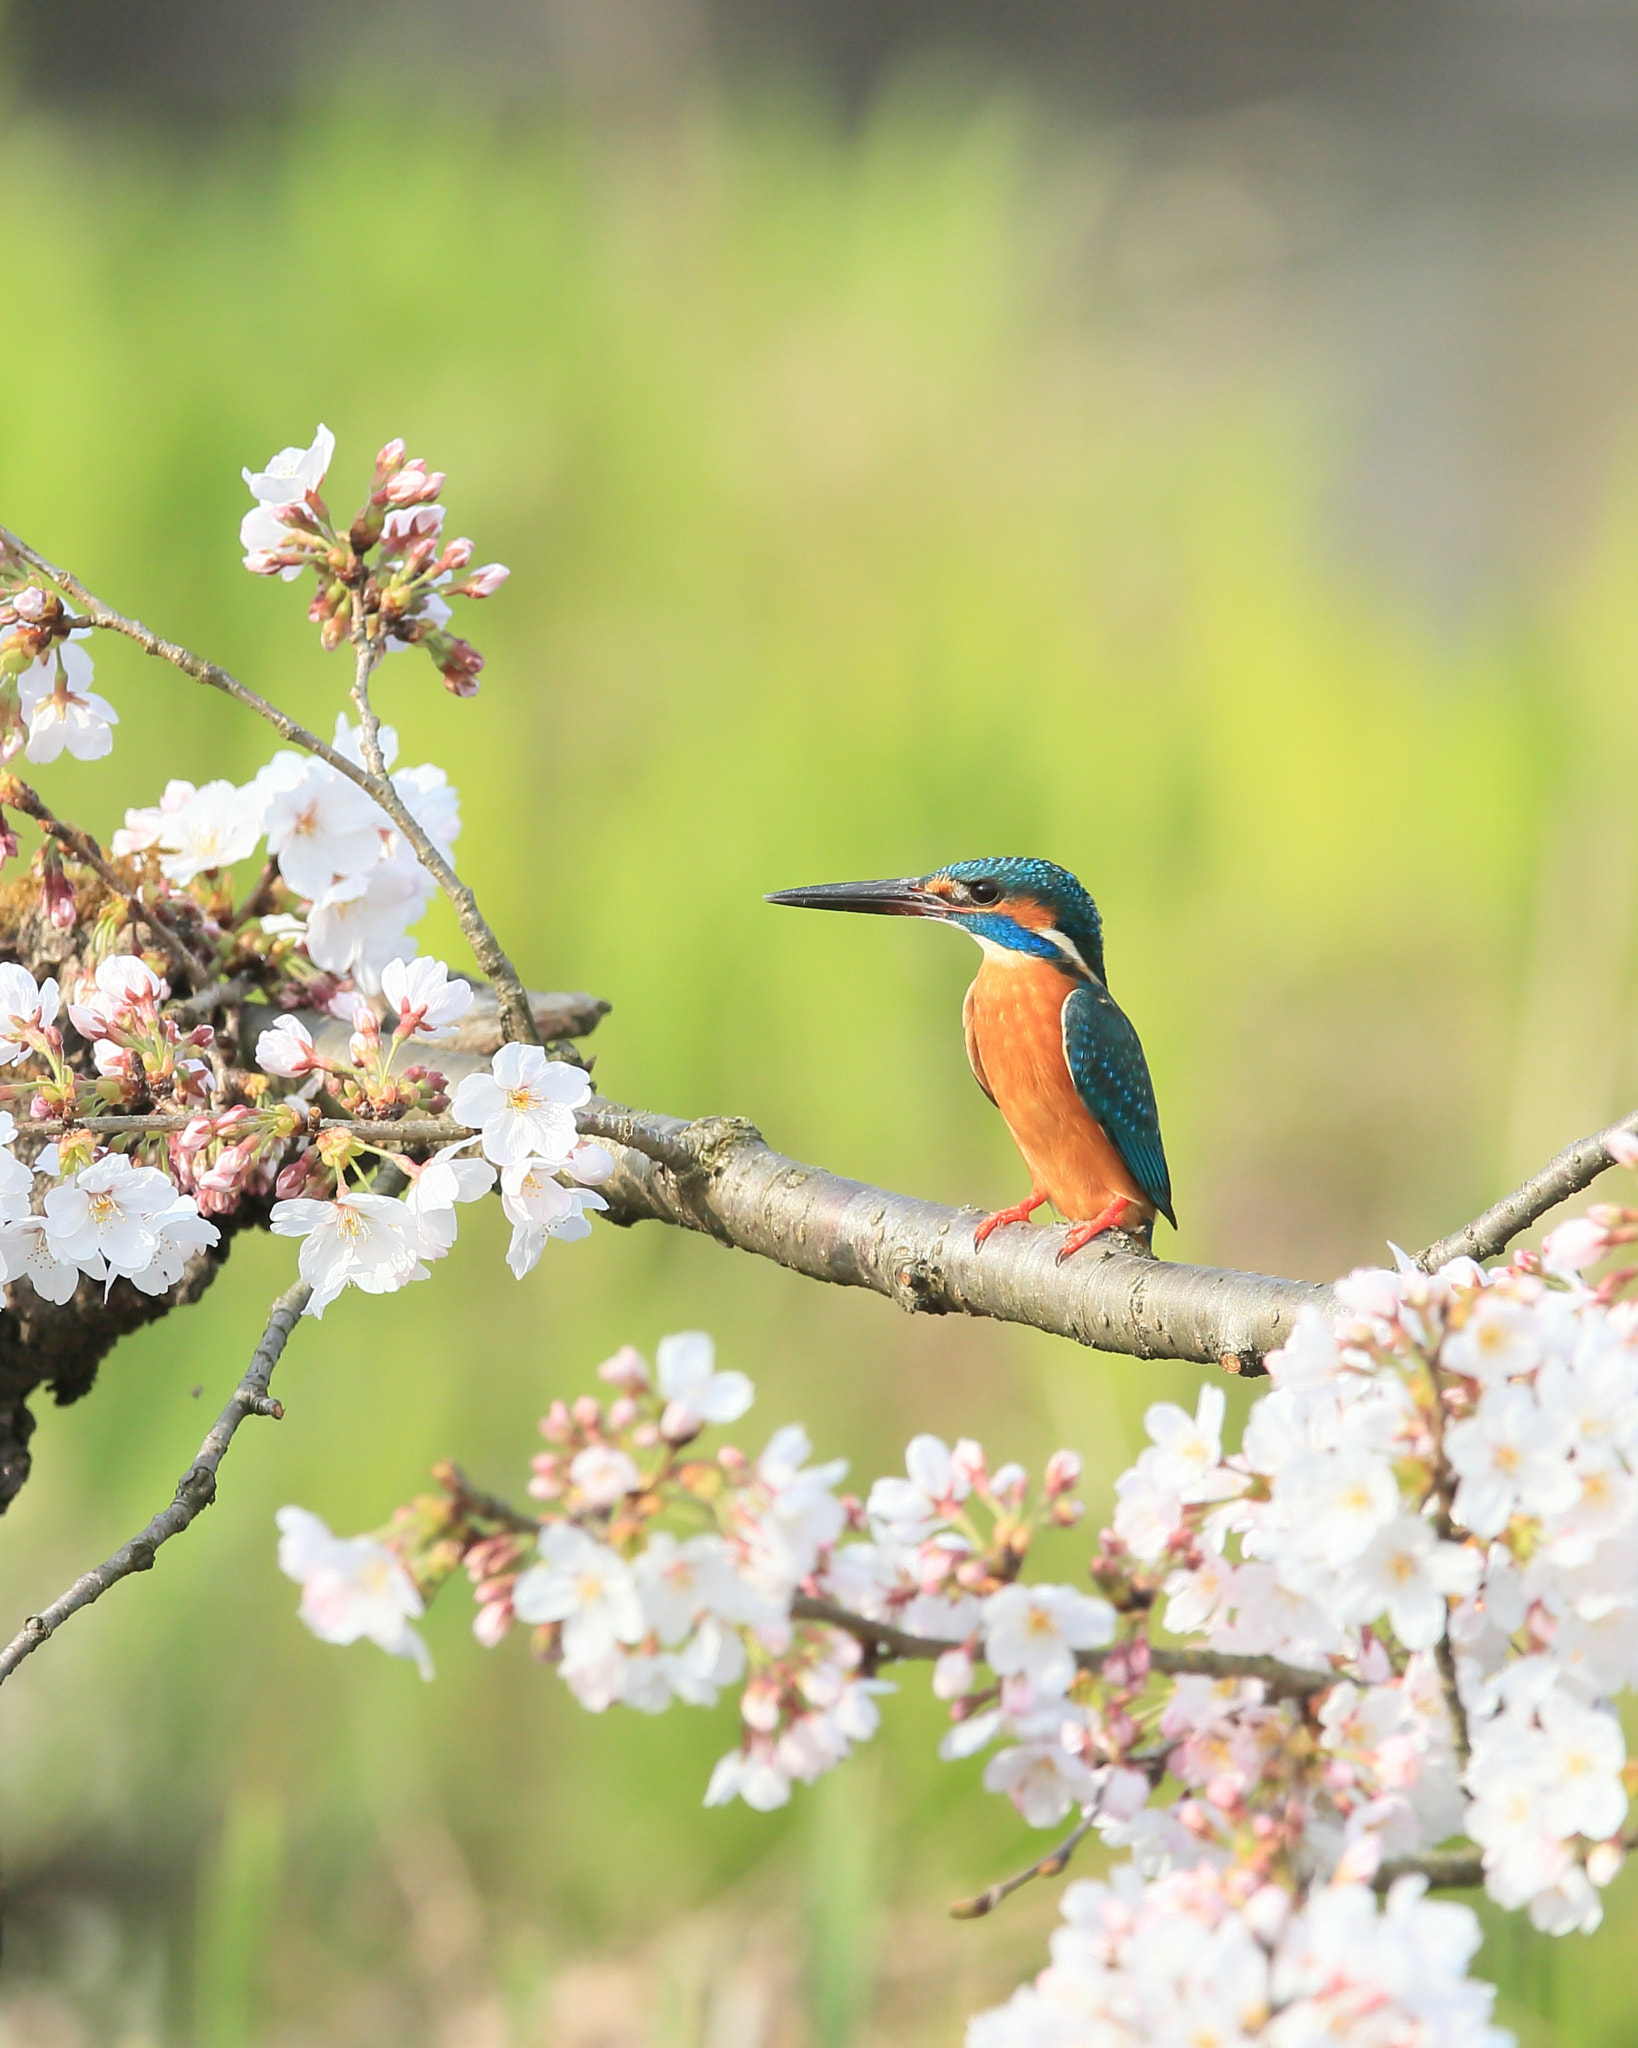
point(352, 1588)
point(26, 1253)
point(909, 1509)
point(604, 1474)
point(361, 923)
point(1042, 1780)
point(322, 829)
point(291, 474)
point(696, 1393)
point(106, 1214)
point(61, 710)
point(1406, 1573)
point(1035, 1631)
point(178, 1232)
point(285, 1049)
point(218, 825)
point(524, 1106)
point(358, 1240)
point(586, 1586)
point(1510, 1453)
point(143, 827)
point(427, 1001)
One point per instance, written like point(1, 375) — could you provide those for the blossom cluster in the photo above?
point(654, 1573)
point(1406, 1603)
point(47, 704)
point(139, 1209)
point(387, 573)
point(1193, 1958)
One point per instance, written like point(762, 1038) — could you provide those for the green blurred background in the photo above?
point(1204, 462)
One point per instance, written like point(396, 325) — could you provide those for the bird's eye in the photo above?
point(984, 890)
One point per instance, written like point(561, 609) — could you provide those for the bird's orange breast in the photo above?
point(1014, 1019)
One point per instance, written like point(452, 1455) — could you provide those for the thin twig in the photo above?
point(1446, 1870)
point(89, 854)
point(195, 1490)
point(1575, 1168)
point(410, 1131)
point(517, 1021)
point(887, 1643)
point(1052, 1864)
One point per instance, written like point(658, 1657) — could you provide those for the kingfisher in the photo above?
point(1047, 1042)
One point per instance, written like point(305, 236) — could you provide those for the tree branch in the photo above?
point(719, 1177)
point(1575, 1168)
point(487, 949)
point(88, 853)
point(1053, 1864)
point(195, 1490)
point(887, 1643)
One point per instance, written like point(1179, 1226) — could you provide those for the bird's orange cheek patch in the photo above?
point(1033, 916)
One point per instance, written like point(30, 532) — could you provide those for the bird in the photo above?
point(1047, 1042)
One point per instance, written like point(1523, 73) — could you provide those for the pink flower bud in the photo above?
point(555, 1426)
point(625, 1369)
point(1574, 1246)
point(587, 1412)
point(483, 582)
point(456, 555)
point(680, 1424)
point(953, 1675)
point(1063, 1473)
point(967, 1462)
point(391, 458)
point(733, 1462)
point(492, 1621)
point(1622, 1147)
point(622, 1413)
point(59, 896)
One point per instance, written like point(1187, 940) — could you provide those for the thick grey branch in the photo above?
point(1575, 1168)
point(195, 1490)
point(720, 1178)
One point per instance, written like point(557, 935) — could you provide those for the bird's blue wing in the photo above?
point(1111, 1077)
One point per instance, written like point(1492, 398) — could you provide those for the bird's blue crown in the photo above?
point(1026, 890)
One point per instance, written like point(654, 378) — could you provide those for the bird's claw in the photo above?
point(1020, 1212)
point(1083, 1233)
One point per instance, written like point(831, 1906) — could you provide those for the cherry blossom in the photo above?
point(911, 1508)
point(285, 1049)
point(292, 474)
point(352, 1587)
point(61, 710)
point(358, 1240)
point(524, 1107)
point(26, 1253)
point(588, 1588)
point(427, 1001)
point(696, 1393)
point(1036, 1630)
point(322, 828)
point(142, 828)
point(106, 1216)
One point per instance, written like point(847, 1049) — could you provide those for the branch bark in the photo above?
point(195, 1490)
point(719, 1177)
point(1487, 1236)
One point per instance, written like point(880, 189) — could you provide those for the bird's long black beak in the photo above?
point(883, 899)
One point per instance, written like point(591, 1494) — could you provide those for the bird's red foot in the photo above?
point(1083, 1233)
point(1020, 1212)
